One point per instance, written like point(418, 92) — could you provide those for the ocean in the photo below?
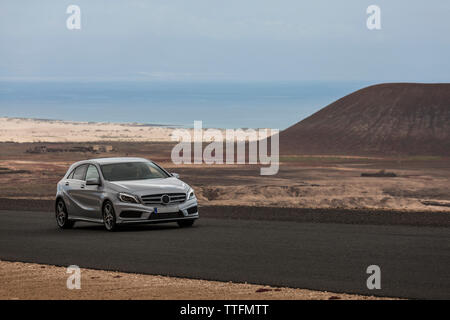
point(218, 104)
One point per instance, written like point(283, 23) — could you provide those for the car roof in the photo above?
point(102, 161)
point(117, 160)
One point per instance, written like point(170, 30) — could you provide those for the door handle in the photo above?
point(82, 186)
point(67, 183)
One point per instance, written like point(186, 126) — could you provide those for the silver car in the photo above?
point(117, 191)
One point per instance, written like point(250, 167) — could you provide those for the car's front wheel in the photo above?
point(109, 216)
point(186, 223)
point(62, 217)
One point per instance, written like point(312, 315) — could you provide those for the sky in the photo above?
point(236, 40)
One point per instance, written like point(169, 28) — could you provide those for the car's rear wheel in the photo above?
point(62, 217)
point(186, 223)
point(109, 216)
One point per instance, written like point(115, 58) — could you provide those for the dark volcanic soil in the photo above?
point(387, 119)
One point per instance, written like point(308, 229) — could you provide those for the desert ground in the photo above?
point(309, 181)
point(37, 281)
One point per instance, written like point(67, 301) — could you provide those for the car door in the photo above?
point(74, 186)
point(67, 193)
point(90, 196)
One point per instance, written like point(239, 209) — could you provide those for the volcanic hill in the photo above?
point(385, 119)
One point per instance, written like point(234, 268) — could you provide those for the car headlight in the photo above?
point(125, 197)
point(191, 194)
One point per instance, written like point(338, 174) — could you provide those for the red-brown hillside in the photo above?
point(400, 118)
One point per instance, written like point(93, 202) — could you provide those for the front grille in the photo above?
point(157, 198)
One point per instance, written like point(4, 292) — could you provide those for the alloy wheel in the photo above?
point(61, 215)
point(108, 216)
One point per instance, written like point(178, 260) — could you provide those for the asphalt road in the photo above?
point(414, 261)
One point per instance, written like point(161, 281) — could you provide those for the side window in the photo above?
point(92, 173)
point(80, 172)
point(70, 176)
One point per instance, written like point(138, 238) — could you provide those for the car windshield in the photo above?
point(132, 171)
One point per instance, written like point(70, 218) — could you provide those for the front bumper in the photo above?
point(139, 213)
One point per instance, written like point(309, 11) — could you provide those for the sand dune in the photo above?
point(33, 130)
point(36, 130)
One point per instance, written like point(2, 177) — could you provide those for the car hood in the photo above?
point(150, 186)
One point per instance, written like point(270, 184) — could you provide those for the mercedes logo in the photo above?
point(165, 199)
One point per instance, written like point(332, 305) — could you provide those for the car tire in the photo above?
point(62, 216)
point(186, 223)
point(109, 216)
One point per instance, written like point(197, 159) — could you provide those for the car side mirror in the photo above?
point(93, 182)
point(175, 175)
